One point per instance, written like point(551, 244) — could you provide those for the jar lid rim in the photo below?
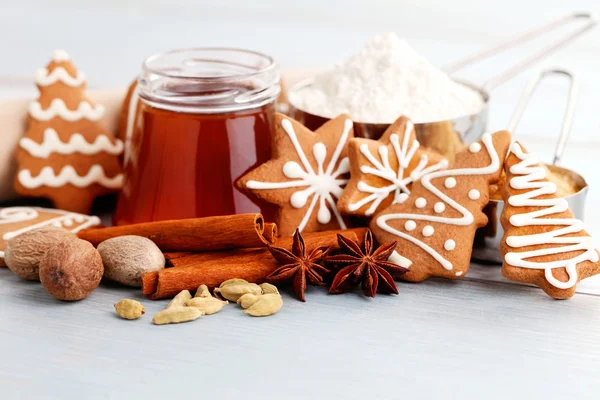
point(271, 64)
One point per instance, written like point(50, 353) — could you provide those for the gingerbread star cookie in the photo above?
point(305, 176)
point(543, 243)
point(382, 171)
point(15, 221)
point(66, 154)
point(434, 227)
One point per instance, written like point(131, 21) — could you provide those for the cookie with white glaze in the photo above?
point(66, 155)
point(543, 243)
point(435, 225)
point(15, 221)
point(382, 171)
point(305, 176)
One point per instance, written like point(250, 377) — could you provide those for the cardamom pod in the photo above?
point(267, 288)
point(175, 315)
point(202, 291)
point(232, 281)
point(129, 309)
point(180, 299)
point(266, 304)
point(205, 302)
point(247, 300)
point(233, 289)
point(208, 305)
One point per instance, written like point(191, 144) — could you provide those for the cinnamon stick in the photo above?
point(270, 232)
point(169, 256)
point(213, 268)
point(311, 240)
point(195, 234)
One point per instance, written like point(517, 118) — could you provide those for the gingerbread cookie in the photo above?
point(382, 171)
point(543, 243)
point(66, 155)
point(15, 221)
point(305, 176)
point(130, 114)
point(435, 225)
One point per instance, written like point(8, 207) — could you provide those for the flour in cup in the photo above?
point(384, 80)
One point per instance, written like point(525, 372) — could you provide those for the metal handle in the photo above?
point(569, 112)
point(522, 38)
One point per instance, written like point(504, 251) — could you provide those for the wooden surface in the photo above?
point(478, 338)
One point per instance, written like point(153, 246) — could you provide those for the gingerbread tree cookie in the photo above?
point(435, 226)
point(382, 171)
point(66, 155)
point(543, 243)
point(305, 176)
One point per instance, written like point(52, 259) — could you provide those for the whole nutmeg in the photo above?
point(71, 270)
point(24, 252)
point(127, 258)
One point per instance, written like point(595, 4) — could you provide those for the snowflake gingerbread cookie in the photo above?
point(435, 225)
point(305, 176)
point(65, 154)
point(15, 221)
point(543, 243)
point(382, 171)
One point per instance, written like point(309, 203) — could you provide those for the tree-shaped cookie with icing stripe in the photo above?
point(382, 171)
point(543, 243)
point(305, 176)
point(66, 154)
point(435, 225)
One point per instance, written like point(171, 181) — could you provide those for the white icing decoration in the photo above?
point(458, 273)
point(474, 194)
point(466, 216)
point(60, 56)
point(11, 215)
point(69, 175)
point(428, 230)
point(399, 260)
point(475, 147)
point(14, 215)
point(449, 245)
point(43, 78)
point(439, 207)
point(322, 184)
point(420, 202)
point(450, 183)
point(382, 169)
point(131, 114)
point(58, 108)
point(51, 143)
point(531, 176)
point(410, 225)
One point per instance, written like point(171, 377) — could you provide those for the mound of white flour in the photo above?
point(384, 80)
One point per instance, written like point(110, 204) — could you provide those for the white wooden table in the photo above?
point(481, 337)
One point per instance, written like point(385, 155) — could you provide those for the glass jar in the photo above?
point(203, 119)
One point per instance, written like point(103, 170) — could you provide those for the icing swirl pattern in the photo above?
point(530, 176)
point(466, 217)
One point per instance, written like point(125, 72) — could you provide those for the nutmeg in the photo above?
point(127, 258)
point(71, 270)
point(24, 252)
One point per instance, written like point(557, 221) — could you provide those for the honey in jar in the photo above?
point(203, 119)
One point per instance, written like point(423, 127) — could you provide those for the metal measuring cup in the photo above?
point(453, 134)
point(488, 239)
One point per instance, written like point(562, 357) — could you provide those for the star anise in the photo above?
point(297, 267)
point(371, 266)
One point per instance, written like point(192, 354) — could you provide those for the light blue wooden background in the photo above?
point(476, 338)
